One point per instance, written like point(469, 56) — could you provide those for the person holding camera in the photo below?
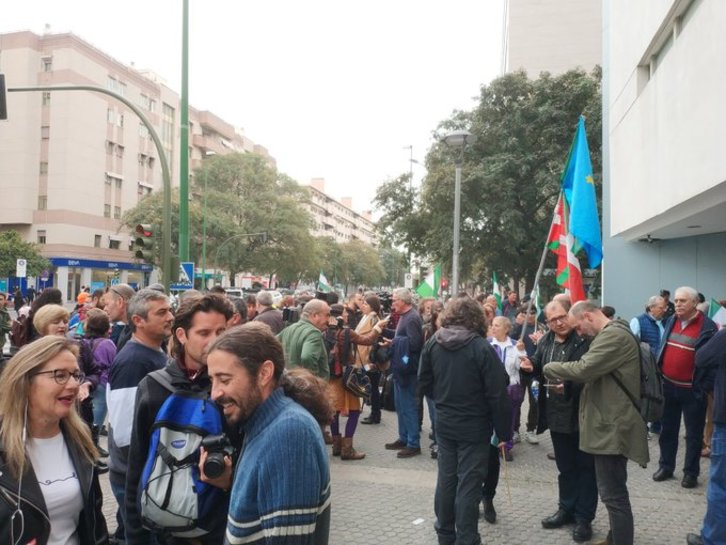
point(343, 342)
point(198, 322)
point(280, 486)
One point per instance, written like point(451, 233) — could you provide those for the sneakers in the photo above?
point(531, 437)
point(515, 437)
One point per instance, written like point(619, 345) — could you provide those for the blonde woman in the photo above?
point(51, 320)
point(49, 490)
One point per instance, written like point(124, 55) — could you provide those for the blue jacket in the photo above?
point(711, 365)
point(650, 332)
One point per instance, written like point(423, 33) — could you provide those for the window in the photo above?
point(110, 115)
point(42, 202)
point(142, 159)
point(117, 212)
point(143, 131)
point(41, 237)
point(151, 162)
point(44, 167)
point(109, 179)
point(45, 132)
point(114, 244)
point(119, 183)
point(97, 241)
point(46, 98)
point(109, 147)
point(120, 120)
point(122, 89)
point(106, 210)
point(119, 150)
point(46, 64)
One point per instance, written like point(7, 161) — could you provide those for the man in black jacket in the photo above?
point(461, 373)
point(558, 410)
point(198, 322)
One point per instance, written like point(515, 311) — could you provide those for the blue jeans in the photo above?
point(99, 405)
point(407, 412)
point(681, 401)
point(118, 488)
point(714, 523)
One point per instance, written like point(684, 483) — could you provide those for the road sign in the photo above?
point(44, 276)
point(186, 277)
point(408, 280)
point(21, 268)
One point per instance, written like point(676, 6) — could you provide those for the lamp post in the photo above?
point(457, 141)
point(208, 153)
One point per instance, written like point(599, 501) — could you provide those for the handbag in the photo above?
point(356, 381)
point(380, 357)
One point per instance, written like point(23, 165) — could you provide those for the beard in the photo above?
point(241, 409)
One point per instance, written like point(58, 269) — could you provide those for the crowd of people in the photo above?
point(205, 402)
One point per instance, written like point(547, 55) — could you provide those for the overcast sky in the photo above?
point(333, 89)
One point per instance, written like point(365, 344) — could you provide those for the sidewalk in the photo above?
point(383, 500)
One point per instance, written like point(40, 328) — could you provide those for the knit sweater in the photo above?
point(281, 488)
point(303, 345)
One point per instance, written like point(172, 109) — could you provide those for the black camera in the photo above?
point(217, 447)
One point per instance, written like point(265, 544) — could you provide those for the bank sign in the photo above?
point(93, 264)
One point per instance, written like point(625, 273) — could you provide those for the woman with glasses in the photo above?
point(49, 489)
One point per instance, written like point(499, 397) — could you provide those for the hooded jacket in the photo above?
point(460, 371)
point(91, 524)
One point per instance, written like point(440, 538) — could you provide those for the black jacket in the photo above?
point(150, 396)
point(460, 371)
point(711, 365)
point(559, 413)
point(91, 524)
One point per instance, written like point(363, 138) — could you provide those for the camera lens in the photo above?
point(214, 465)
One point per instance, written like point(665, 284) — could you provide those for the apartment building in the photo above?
point(72, 162)
point(337, 219)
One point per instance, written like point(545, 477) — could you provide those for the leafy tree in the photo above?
point(12, 248)
point(510, 176)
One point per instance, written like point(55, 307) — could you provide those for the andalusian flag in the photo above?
point(717, 313)
point(432, 283)
point(323, 284)
point(496, 290)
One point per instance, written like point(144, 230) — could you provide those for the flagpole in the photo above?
point(537, 276)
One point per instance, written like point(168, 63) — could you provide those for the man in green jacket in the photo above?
point(303, 342)
point(611, 428)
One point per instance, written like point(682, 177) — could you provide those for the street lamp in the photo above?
point(208, 153)
point(457, 140)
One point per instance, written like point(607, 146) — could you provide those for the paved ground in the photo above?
point(383, 500)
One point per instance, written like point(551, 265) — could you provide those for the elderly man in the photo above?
point(685, 333)
point(558, 411)
point(405, 353)
point(611, 428)
point(267, 313)
point(462, 374)
point(648, 327)
point(303, 341)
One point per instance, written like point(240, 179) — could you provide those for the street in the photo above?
point(383, 499)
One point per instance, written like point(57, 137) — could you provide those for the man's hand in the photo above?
point(536, 336)
point(526, 365)
point(224, 481)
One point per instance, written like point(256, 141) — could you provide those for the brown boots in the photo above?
point(348, 452)
point(343, 447)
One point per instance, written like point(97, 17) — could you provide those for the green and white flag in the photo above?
point(432, 283)
point(496, 290)
point(717, 313)
point(323, 284)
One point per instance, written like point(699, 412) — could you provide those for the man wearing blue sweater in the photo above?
point(280, 492)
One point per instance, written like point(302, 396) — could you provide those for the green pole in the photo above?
point(184, 146)
point(204, 233)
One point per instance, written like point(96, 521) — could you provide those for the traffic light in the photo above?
point(144, 242)
point(444, 284)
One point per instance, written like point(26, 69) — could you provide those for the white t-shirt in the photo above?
point(510, 357)
point(61, 488)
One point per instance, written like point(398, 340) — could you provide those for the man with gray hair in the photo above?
point(611, 428)
point(303, 342)
point(267, 313)
point(405, 353)
point(685, 333)
point(648, 327)
point(150, 320)
point(115, 302)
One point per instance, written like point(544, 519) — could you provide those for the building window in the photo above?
point(110, 115)
point(119, 150)
point(109, 179)
point(106, 210)
point(46, 98)
point(42, 202)
point(114, 244)
point(44, 167)
point(119, 183)
point(97, 241)
point(120, 121)
point(41, 237)
point(45, 132)
point(117, 212)
point(142, 159)
point(109, 147)
point(151, 162)
point(46, 64)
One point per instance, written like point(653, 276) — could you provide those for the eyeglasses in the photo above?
point(557, 319)
point(62, 376)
